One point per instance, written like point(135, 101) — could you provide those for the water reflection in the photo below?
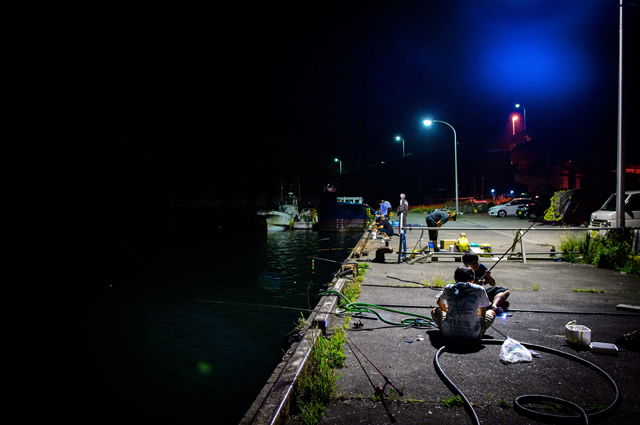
point(185, 342)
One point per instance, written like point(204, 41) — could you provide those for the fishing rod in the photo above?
point(515, 241)
point(386, 379)
point(332, 261)
point(357, 315)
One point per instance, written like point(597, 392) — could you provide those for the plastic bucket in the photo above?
point(577, 334)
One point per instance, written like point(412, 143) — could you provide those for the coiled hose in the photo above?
point(414, 320)
point(583, 417)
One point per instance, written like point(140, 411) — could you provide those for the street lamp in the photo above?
point(524, 118)
point(455, 153)
point(398, 138)
point(337, 160)
point(513, 120)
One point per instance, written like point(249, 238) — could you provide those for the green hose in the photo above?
point(416, 319)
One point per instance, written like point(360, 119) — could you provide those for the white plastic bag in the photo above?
point(513, 352)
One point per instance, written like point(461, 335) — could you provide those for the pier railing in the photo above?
point(520, 234)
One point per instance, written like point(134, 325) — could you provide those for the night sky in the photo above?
point(205, 104)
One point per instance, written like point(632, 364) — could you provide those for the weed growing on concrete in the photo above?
point(593, 408)
point(453, 401)
point(318, 385)
point(535, 288)
point(569, 244)
point(353, 288)
point(438, 281)
point(504, 403)
point(590, 290)
point(300, 322)
point(312, 412)
point(351, 291)
point(522, 288)
point(613, 251)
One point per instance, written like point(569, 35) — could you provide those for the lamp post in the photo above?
point(398, 138)
point(455, 153)
point(513, 120)
point(524, 118)
point(337, 160)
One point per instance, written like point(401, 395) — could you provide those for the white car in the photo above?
point(606, 215)
point(509, 208)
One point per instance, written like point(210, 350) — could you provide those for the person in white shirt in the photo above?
point(462, 308)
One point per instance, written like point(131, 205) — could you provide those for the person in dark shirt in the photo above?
point(497, 294)
point(385, 226)
point(437, 219)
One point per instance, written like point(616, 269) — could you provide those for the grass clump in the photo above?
point(453, 401)
point(318, 385)
point(613, 251)
point(504, 403)
point(590, 290)
point(438, 281)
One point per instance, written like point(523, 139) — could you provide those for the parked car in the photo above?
point(606, 215)
point(532, 209)
point(509, 208)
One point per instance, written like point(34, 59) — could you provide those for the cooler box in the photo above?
point(486, 249)
point(446, 243)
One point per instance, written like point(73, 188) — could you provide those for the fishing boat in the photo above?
point(306, 219)
point(285, 214)
point(288, 216)
point(348, 213)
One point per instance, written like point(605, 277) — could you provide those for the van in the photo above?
point(606, 215)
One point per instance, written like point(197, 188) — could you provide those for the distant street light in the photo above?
point(514, 119)
point(337, 160)
point(400, 138)
point(524, 118)
point(455, 153)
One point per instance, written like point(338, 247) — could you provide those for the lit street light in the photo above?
point(398, 138)
point(524, 118)
point(455, 153)
point(337, 160)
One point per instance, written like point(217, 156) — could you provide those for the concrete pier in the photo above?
point(545, 296)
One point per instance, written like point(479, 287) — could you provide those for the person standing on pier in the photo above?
point(403, 210)
point(387, 206)
point(383, 208)
point(437, 219)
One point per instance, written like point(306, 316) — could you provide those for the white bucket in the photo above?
point(577, 334)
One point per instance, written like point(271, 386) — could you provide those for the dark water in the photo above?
point(158, 349)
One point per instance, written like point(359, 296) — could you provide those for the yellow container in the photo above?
point(446, 243)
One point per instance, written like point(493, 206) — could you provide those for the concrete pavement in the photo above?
point(406, 354)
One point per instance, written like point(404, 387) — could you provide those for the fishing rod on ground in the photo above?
point(378, 389)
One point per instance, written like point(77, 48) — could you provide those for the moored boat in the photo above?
point(348, 213)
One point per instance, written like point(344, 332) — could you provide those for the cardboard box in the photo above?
point(446, 243)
